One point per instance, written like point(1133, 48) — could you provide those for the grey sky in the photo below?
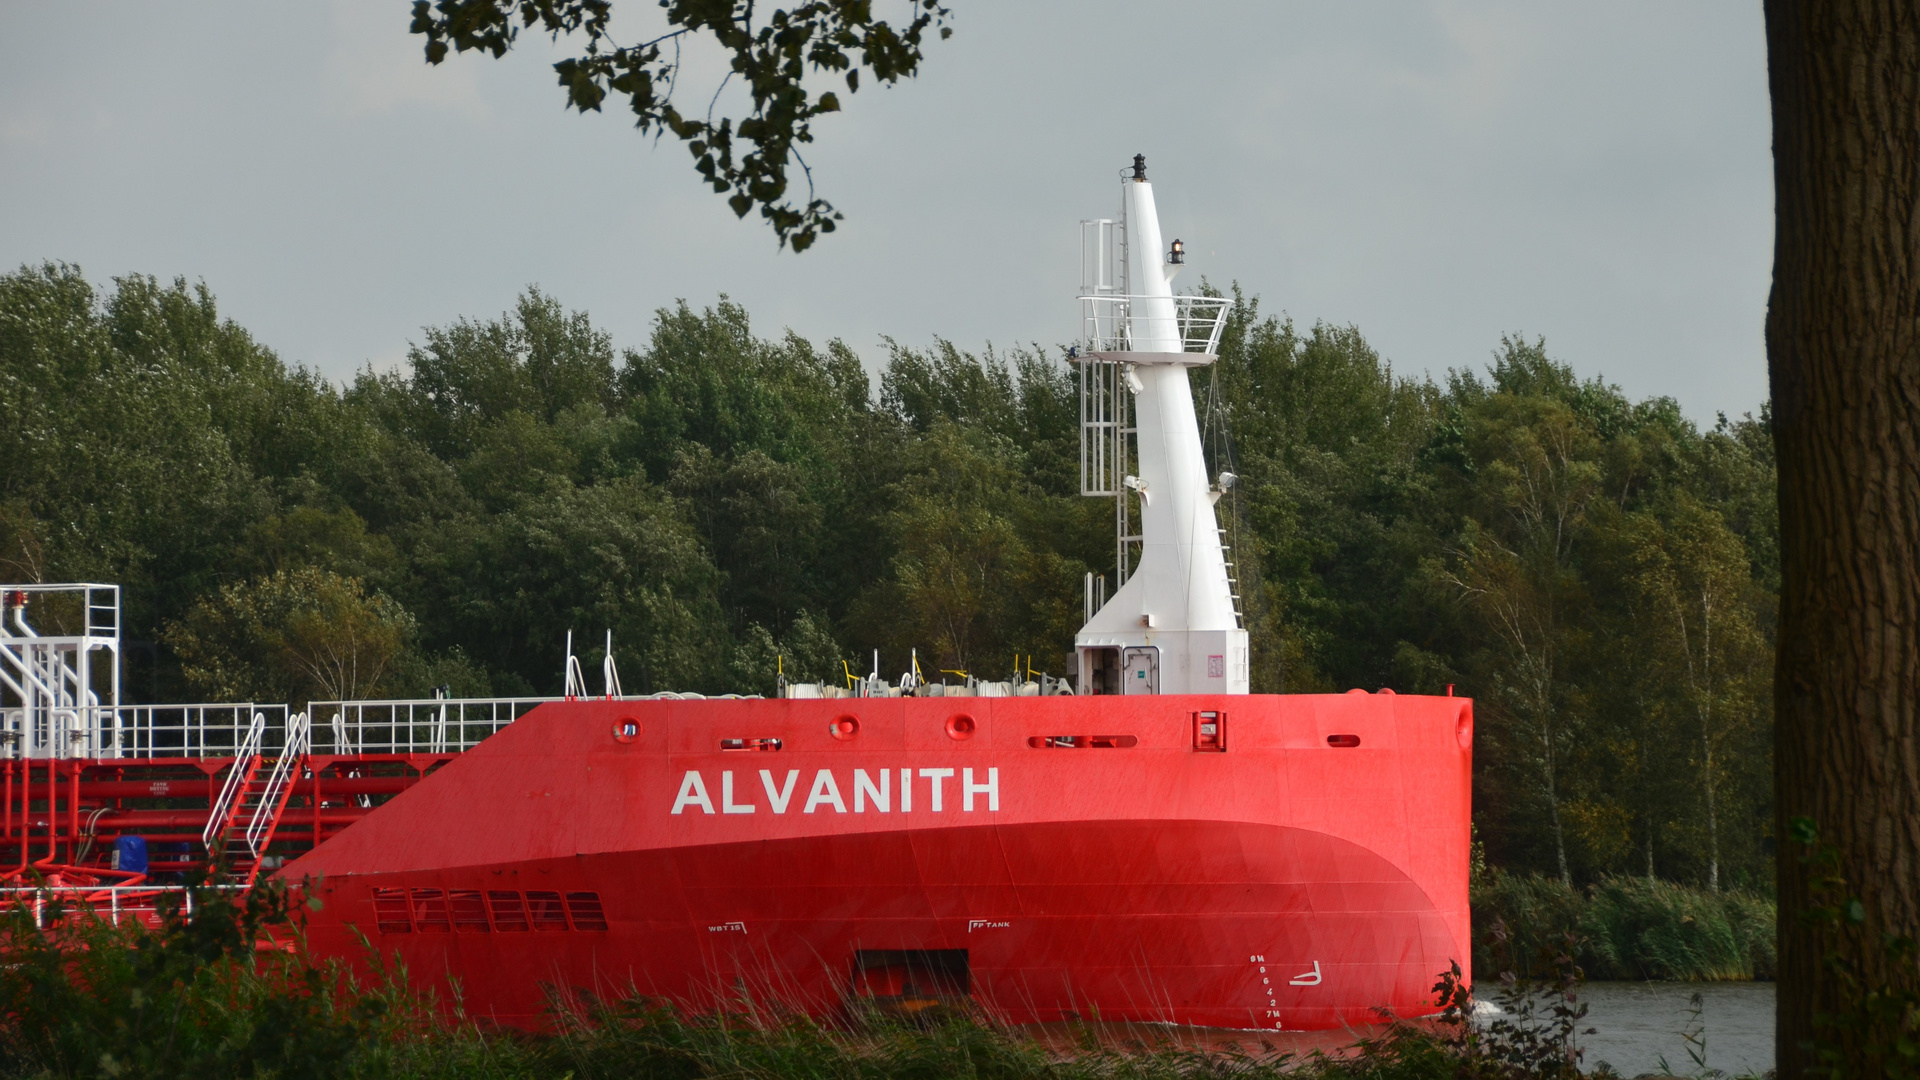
point(1435, 173)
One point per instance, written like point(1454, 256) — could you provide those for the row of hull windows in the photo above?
point(473, 911)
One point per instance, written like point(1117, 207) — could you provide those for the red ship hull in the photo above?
point(1046, 858)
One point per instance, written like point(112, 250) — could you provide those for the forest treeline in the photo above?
point(1600, 574)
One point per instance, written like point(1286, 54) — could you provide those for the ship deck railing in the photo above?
point(140, 900)
point(402, 726)
point(192, 730)
point(413, 726)
point(435, 725)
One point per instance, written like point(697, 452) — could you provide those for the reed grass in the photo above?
point(198, 999)
point(1627, 927)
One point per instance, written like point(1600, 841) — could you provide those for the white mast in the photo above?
point(1172, 627)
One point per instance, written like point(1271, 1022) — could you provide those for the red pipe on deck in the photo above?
point(26, 809)
point(196, 788)
point(179, 779)
point(126, 822)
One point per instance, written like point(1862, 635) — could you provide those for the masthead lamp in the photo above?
point(1178, 255)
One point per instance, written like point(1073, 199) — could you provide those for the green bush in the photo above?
point(197, 997)
point(1629, 927)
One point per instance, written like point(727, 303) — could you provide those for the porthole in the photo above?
point(1463, 728)
point(626, 729)
point(844, 728)
point(1345, 741)
point(960, 726)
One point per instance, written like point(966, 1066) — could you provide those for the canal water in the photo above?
point(1639, 1028)
point(1637, 1024)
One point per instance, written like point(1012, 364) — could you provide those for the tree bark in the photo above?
point(1843, 348)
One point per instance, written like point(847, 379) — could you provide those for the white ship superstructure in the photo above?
point(1173, 626)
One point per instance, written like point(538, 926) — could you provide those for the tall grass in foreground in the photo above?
point(200, 999)
point(1629, 928)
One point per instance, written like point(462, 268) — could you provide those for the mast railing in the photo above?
point(1114, 323)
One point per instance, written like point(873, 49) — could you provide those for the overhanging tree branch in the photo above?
point(745, 159)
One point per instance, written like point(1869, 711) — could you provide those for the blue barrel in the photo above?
point(130, 854)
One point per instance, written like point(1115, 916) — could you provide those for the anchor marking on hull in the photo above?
point(1307, 978)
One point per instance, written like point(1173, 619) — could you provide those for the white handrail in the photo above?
point(609, 671)
point(290, 756)
point(419, 725)
point(236, 779)
point(120, 898)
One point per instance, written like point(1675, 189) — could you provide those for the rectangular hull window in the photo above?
point(390, 911)
point(430, 911)
point(546, 911)
point(469, 911)
point(509, 912)
point(585, 909)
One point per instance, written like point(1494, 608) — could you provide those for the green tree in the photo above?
point(958, 560)
point(1538, 474)
point(762, 526)
point(142, 436)
point(1328, 517)
point(807, 653)
point(297, 635)
point(614, 556)
point(1693, 586)
point(537, 360)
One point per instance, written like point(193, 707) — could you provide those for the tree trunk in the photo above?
point(1843, 347)
point(1553, 799)
point(1706, 742)
point(1713, 819)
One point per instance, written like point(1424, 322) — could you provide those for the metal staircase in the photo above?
point(260, 802)
point(246, 763)
point(241, 824)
